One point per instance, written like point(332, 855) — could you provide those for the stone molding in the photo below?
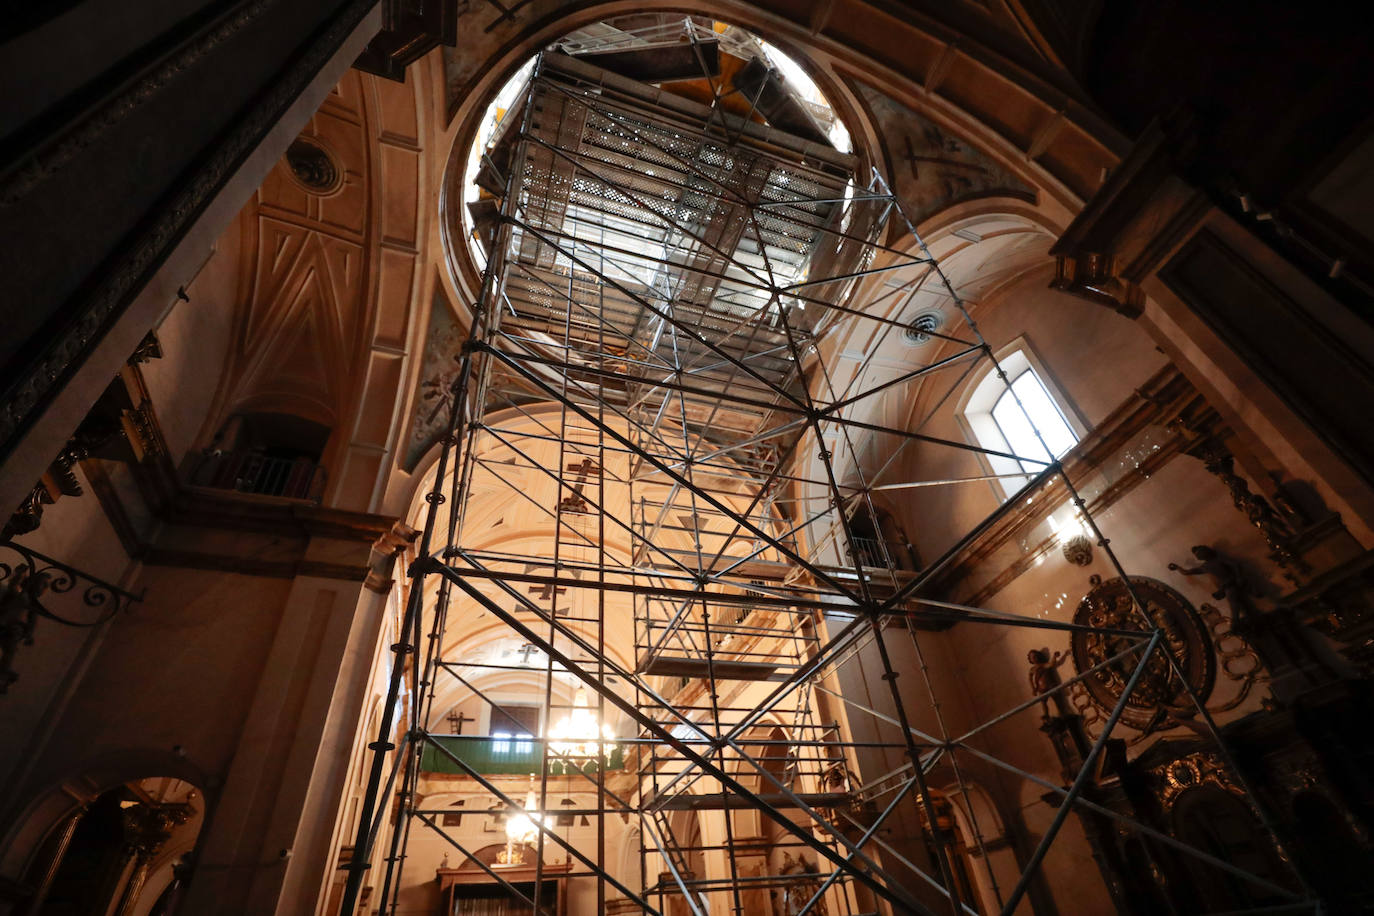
point(1125, 230)
point(274, 538)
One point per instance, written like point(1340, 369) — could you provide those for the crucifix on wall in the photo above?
point(574, 502)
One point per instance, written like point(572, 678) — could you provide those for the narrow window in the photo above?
point(1018, 423)
point(1021, 420)
point(512, 729)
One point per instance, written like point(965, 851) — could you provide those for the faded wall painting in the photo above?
point(930, 166)
point(438, 368)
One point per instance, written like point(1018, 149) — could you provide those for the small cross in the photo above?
point(527, 650)
point(574, 502)
point(456, 721)
point(584, 467)
point(911, 157)
point(545, 592)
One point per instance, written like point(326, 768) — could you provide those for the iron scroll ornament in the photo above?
point(1161, 693)
point(32, 585)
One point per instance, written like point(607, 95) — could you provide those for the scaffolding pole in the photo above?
point(649, 353)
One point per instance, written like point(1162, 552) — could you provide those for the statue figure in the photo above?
point(1230, 581)
point(1044, 677)
point(1278, 533)
point(802, 884)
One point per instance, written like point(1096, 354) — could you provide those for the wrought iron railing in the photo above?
point(34, 586)
point(254, 472)
point(872, 552)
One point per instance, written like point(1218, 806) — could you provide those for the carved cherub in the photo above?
point(1229, 579)
point(1044, 677)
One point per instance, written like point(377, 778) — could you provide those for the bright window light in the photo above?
point(512, 743)
point(994, 420)
point(808, 90)
point(491, 119)
point(1041, 410)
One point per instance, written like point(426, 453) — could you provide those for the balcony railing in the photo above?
point(494, 756)
point(254, 472)
point(870, 553)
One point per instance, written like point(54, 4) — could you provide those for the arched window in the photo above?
point(994, 419)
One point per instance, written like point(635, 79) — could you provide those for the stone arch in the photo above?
point(326, 310)
point(987, 248)
point(991, 861)
point(34, 819)
point(628, 871)
point(34, 849)
point(1221, 822)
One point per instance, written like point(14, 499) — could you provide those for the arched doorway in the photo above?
point(126, 852)
point(1220, 823)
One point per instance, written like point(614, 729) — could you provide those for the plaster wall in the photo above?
point(195, 338)
point(179, 670)
point(1094, 357)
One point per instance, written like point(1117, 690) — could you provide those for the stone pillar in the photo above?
point(751, 861)
point(64, 839)
point(271, 846)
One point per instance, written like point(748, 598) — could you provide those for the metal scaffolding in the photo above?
point(650, 341)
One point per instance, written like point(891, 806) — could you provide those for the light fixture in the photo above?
point(1074, 539)
point(578, 736)
point(522, 828)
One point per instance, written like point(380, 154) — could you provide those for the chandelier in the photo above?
point(522, 829)
point(579, 736)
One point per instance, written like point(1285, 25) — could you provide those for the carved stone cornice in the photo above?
point(228, 510)
point(1276, 530)
point(410, 30)
point(115, 284)
point(1337, 603)
point(166, 67)
point(266, 536)
point(201, 528)
point(385, 550)
point(148, 349)
point(121, 426)
point(148, 827)
point(60, 478)
point(1125, 230)
point(1192, 772)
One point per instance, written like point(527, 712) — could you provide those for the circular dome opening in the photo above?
point(741, 73)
